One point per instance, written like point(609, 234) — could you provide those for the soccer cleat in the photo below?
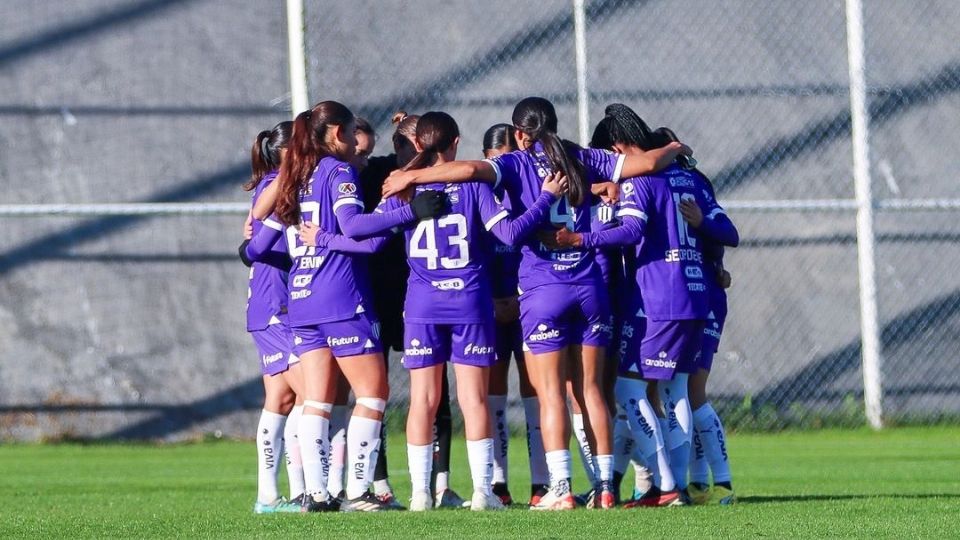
point(312, 504)
point(722, 495)
point(368, 502)
point(654, 497)
point(604, 498)
point(537, 491)
point(637, 494)
point(558, 498)
point(585, 499)
point(481, 501)
point(448, 498)
point(421, 501)
point(279, 506)
point(298, 500)
point(699, 493)
point(391, 501)
point(501, 491)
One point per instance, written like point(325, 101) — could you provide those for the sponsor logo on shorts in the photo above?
point(300, 295)
point(454, 284)
point(627, 330)
point(302, 281)
point(297, 340)
point(598, 328)
point(339, 342)
point(662, 361)
point(712, 332)
point(267, 360)
point(416, 350)
point(627, 188)
point(477, 349)
point(310, 263)
point(544, 333)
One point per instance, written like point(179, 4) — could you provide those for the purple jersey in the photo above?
point(504, 269)
point(670, 267)
point(325, 285)
point(267, 292)
point(448, 256)
point(521, 174)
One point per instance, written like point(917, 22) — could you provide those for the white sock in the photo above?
point(676, 406)
point(604, 464)
point(714, 441)
point(480, 457)
point(363, 444)
point(558, 463)
point(420, 463)
point(699, 469)
point(622, 444)
point(586, 454)
point(443, 481)
point(269, 450)
point(315, 448)
point(642, 478)
point(291, 447)
point(338, 448)
point(382, 487)
point(501, 437)
point(539, 474)
point(632, 395)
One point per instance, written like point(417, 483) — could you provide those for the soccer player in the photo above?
point(505, 265)
point(449, 308)
point(665, 322)
point(267, 324)
point(329, 297)
point(562, 299)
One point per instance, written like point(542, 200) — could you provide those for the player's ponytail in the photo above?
point(265, 154)
point(537, 118)
point(406, 130)
point(307, 146)
point(435, 133)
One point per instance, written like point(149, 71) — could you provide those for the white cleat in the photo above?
point(421, 501)
point(482, 501)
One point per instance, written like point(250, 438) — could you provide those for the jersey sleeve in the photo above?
point(496, 218)
point(601, 165)
point(716, 225)
point(507, 167)
point(348, 208)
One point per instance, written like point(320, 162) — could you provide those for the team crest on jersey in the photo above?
point(347, 188)
point(627, 188)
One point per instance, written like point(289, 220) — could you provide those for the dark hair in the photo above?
point(621, 124)
point(306, 148)
point(498, 136)
point(406, 128)
point(364, 126)
point(436, 132)
point(265, 154)
point(536, 117)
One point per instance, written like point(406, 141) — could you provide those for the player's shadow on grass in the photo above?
point(765, 499)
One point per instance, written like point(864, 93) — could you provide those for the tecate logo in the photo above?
point(302, 281)
point(544, 333)
point(339, 342)
point(300, 295)
point(416, 350)
point(477, 349)
point(455, 284)
point(272, 358)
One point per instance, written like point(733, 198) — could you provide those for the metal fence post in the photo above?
point(580, 49)
point(299, 101)
point(869, 318)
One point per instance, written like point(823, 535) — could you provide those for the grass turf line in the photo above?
point(903, 482)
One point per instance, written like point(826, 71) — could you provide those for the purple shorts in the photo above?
point(555, 316)
point(428, 345)
point(711, 339)
point(352, 337)
point(509, 341)
point(275, 343)
point(655, 350)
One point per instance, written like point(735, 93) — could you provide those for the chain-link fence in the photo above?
point(135, 324)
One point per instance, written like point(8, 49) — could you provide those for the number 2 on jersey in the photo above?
point(423, 242)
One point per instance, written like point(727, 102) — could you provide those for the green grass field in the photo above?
point(903, 482)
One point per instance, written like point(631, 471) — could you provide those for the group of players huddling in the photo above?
point(599, 270)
